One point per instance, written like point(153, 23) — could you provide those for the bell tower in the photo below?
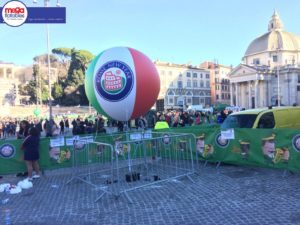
point(275, 22)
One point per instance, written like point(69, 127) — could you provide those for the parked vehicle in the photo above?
point(279, 117)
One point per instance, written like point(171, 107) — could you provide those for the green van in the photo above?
point(277, 117)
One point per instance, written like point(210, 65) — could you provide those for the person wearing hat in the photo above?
point(268, 146)
point(208, 150)
point(200, 143)
point(245, 147)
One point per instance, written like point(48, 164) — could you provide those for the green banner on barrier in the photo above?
point(257, 147)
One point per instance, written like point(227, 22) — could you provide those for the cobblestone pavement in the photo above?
point(229, 195)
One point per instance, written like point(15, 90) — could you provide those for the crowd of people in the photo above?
point(190, 118)
point(17, 128)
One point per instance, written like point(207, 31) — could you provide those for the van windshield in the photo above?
point(239, 121)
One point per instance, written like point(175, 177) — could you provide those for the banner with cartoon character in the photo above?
point(58, 152)
point(274, 148)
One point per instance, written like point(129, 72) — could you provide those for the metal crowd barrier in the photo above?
point(125, 162)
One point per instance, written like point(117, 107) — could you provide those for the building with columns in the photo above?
point(219, 82)
point(270, 71)
point(182, 85)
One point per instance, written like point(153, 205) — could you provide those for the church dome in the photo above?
point(275, 39)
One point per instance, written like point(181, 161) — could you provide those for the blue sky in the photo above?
point(177, 31)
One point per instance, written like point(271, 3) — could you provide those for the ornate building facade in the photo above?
point(270, 71)
point(219, 82)
point(183, 85)
point(8, 84)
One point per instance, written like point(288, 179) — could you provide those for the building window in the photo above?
point(201, 100)
point(217, 87)
point(228, 96)
point(179, 84)
point(256, 61)
point(201, 83)
point(217, 97)
point(298, 88)
point(298, 78)
point(195, 75)
point(217, 80)
point(195, 83)
point(222, 96)
point(207, 76)
point(188, 83)
point(172, 84)
point(180, 75)
point(201, 75)
point(275, 58)
point(170, 98)
point(189, 101)
point(188, 74)
point(207, 84)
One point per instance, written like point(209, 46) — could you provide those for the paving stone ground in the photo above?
point(230, 195)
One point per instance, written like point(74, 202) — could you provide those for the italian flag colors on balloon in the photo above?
point(122, 83)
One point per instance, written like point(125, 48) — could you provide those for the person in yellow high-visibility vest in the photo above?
point(161, 125)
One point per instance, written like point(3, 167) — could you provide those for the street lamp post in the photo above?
point(277, 71)
point(48, 59)
point(278, 91)
point(46, 4)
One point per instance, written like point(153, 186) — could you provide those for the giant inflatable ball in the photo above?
point(122, 83)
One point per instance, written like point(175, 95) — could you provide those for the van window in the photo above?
point(239, 121)
point(266, 121)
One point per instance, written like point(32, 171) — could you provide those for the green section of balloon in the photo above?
point(36, 111)
point(89, 86)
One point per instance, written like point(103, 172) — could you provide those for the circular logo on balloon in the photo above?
point(114, 81)
point(223, 143)
point(296, 142)
point(7, 151)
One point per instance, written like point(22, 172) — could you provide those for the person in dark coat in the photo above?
point(30, 146)
point(67, 125)
point(62, 126)
point(24, 128)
